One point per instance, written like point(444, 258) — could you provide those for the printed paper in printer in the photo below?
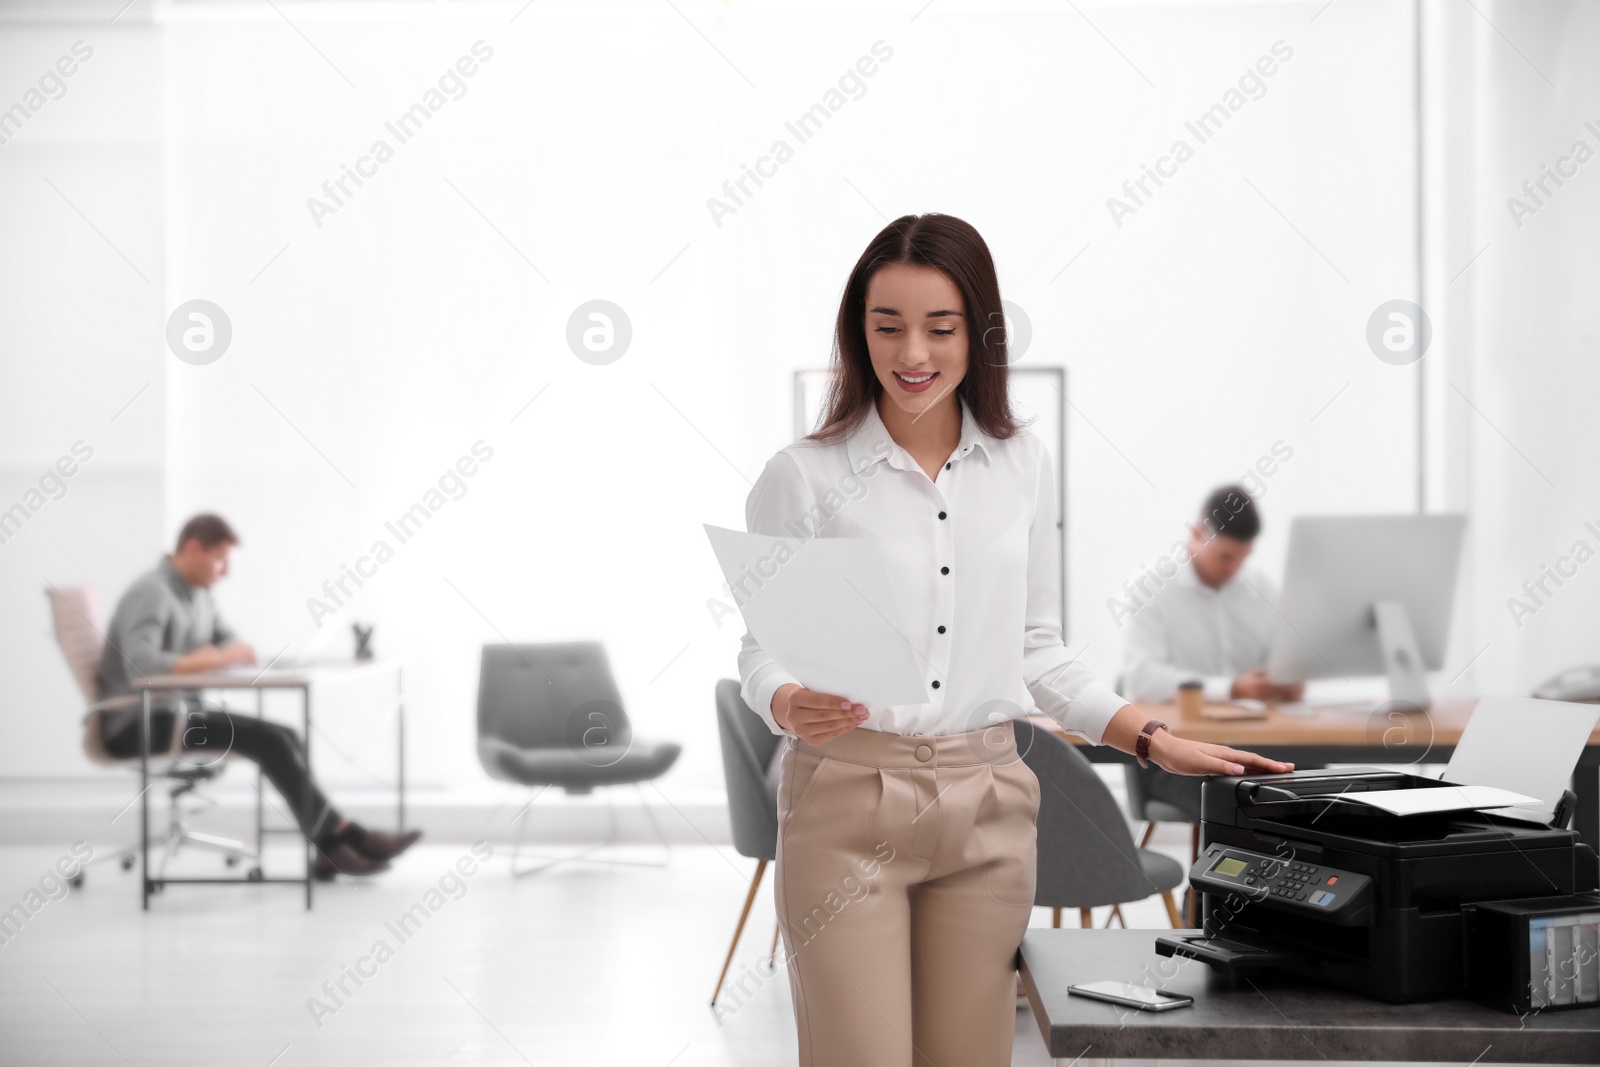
point(1523, 744)
point(823, 608)
point(1439, 798)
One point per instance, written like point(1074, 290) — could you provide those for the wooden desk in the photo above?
point(1271, 1017)
point(1333, 735)
point(260, 680)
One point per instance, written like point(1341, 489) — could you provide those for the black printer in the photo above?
point(1296, 874)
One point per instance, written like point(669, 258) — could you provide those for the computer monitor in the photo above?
point(1368, 594)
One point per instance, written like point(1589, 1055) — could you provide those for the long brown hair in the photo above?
point(954, 247)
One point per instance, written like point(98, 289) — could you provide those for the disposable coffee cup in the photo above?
point(1191, 697)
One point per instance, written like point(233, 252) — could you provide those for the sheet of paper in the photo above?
point(824, 609)
point(1436, 798)
point(1526, 744)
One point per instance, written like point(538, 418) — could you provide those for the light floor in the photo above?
point(580, 965)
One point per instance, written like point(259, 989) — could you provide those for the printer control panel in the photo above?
point(1282, 881)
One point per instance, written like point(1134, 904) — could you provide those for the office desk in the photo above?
point(259, 680)
point(1331, 735)
point(1278, 1017)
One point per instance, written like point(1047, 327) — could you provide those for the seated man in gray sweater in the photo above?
point(166, 623)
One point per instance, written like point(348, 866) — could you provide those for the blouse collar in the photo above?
point(871, 441)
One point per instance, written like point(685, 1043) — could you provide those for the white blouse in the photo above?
point(974, 561)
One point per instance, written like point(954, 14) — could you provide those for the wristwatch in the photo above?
point(1141, 747)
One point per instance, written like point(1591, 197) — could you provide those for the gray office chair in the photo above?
point(1179, 800)
point(747, 750)
point(75, 615)
point(551, 715)
point(1087, 858)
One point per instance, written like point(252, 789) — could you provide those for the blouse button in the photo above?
point(941, 629)
point(936, 683)
point(944, 570)
point(947, 466)
point(941, 514)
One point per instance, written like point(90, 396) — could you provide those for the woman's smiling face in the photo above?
point(917, 334)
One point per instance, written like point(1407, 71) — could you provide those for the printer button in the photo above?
point(1333, 879)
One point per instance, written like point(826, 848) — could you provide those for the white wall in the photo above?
point(1220, 318)
point(83, 273)
point(1516, 378)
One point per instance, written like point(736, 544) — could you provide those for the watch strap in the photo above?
point(1141, 747)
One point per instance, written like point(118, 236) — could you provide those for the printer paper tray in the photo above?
point(1229, 955)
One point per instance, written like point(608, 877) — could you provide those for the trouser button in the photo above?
point(924, 753)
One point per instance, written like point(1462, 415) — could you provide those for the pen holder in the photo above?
point(363, 636)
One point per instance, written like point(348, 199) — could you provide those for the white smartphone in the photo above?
point(1133, 996)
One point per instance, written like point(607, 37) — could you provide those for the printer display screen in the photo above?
point(1230, 867)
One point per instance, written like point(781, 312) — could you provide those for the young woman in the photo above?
point(906, 834)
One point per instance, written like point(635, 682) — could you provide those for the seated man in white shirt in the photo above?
point(1211, 622)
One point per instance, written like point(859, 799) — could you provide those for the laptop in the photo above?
point(285, 663)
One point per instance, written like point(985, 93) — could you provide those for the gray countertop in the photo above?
point(1272, 1016)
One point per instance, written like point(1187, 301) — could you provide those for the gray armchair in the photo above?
point(1155, 795)
point(1087, 858)
point(551, 715)
point(747, 750)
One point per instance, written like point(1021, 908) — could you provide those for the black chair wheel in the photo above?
point(254, 874)
point(76, 881)
point(127, 863)
point(232, 861)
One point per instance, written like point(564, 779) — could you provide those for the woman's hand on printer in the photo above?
point(1178, 756)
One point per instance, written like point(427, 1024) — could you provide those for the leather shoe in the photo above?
point(382, 845)
point(342, 859)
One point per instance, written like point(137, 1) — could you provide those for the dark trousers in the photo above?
point(211, 733)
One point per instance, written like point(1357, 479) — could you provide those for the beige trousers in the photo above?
point(905, 880)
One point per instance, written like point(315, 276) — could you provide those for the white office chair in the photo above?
point(75, 611)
